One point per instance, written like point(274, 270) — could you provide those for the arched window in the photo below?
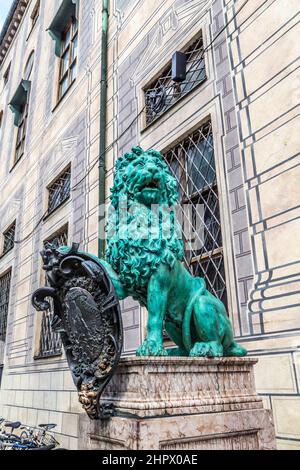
point(29, 66)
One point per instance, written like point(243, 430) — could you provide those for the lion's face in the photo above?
point(144, 177)
point(146, 180)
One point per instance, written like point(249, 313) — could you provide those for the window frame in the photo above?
point(5, 251)
point(72, 26)
point(67, 169)
point(166, 69)
point(218, 251)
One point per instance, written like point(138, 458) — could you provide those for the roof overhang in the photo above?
point(11, 26)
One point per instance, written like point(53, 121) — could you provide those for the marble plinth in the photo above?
point(171, 403)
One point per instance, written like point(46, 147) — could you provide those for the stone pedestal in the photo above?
point(171, 403)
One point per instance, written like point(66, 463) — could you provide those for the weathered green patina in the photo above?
point(149, 267)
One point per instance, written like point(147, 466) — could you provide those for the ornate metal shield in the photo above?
point(86, 313)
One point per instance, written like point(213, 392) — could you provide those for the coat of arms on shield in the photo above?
point(86, 313)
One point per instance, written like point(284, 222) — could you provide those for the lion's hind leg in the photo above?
point(207, 335)
point(235, 350)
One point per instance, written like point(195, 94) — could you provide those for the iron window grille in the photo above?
point(68, 57)
point(4, 303)
point(9, 239)
point(163, 92)
point(192, 163)
point(50, 341)
point(21, 133)
point(59, 190)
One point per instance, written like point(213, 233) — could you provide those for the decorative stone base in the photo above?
point(171, 403)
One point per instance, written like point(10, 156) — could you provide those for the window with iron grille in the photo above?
point(59, 190)
point(50, 342)
point(21, 133)
point(192, 163)
point(4, 302)
point(163, 92)
point(9, 238)
point(68, 57)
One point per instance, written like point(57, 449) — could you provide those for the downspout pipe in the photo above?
point(103, 119)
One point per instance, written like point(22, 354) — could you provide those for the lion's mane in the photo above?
point(136, 259)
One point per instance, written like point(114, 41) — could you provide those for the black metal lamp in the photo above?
point(179, 67)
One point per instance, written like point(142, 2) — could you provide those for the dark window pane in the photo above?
point(66, 39)
point(74, 47)
point(75, 25)
point(73, 72)
point(65, 62)
point(64, 86)
point(200, 164)
point(68, 67)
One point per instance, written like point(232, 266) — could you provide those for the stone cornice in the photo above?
point(11, 26)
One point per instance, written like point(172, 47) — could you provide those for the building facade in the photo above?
point(227, 128)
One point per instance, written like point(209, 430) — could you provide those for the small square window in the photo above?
point(9, 238)
point(59, 190)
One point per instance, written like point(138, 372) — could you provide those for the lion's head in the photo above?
point(144, 177)
point(144, 180)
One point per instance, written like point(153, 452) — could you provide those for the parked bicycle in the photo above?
point(15, 436)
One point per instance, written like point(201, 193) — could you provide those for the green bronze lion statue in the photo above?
point(150, 269)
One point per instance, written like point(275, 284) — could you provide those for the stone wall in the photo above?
point(41, 390)
point(264, 55)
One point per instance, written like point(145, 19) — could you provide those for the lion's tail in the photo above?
point(186, 327)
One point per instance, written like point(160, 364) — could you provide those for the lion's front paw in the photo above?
point(151, 348)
